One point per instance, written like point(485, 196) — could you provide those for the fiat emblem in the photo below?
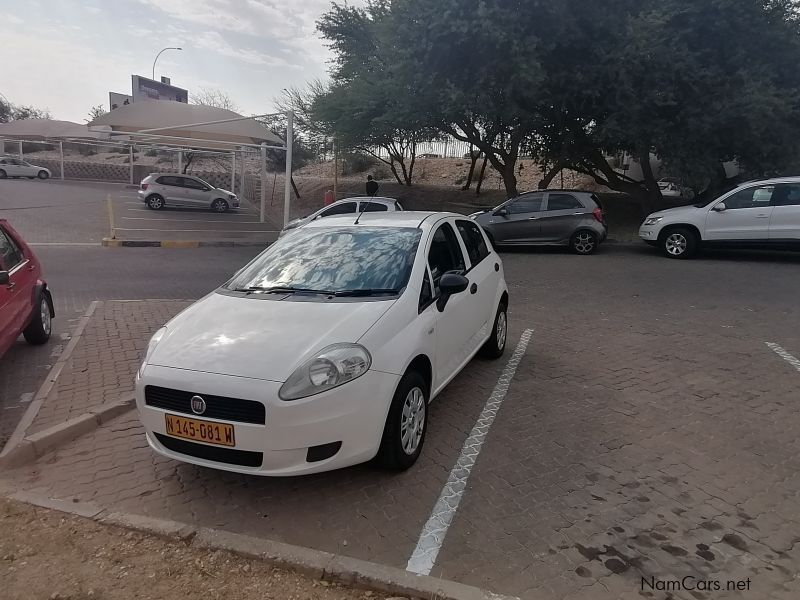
point(198, 405)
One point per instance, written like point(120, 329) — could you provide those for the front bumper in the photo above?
point(353, 414)
point(648, 233)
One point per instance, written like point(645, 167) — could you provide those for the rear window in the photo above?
point(373, 207)
point(169, 180)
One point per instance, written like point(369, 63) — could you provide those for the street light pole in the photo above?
point(159, 54)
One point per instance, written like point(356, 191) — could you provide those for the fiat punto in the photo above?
point(325, 350)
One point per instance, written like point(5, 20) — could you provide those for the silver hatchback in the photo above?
point(549, 217)
point(168, 189)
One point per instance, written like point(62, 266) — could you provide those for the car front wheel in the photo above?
point(679, 243)
point(43, 174)
point(219, 205)
point(496, 344)
point(38, 330)
point(406, 424)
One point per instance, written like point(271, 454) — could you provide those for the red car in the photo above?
point(26, 306)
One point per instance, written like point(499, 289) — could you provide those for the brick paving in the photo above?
point(102, 366)
point(649, 432)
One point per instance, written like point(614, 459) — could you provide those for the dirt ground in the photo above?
point(48, 555)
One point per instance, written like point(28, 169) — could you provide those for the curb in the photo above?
point(35, 445)
point(113, 243)
point(320, 565)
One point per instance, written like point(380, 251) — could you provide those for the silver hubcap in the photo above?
point(155, 202)
point(220, 206)
point(44, 310)
point(412, 421)
point(584, 242)
point(501, 330)
point(676, 244)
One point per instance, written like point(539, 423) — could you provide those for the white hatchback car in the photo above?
point(344, 207)
point(16, 167)
point(325, 350)
point(758, 213)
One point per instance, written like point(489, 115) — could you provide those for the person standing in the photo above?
point(329, 197)
point(372, 186)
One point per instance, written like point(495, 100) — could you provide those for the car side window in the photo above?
point(562, 202)
point(474, 241)
point(526, 203)
point(192, 184)
point(10, 254)
point(397, 205)
point(786, 194)
point(754, 197)
point(445, 254)
point(373, 207)
point(426, 293)
point(339, 209)
point(168, 180)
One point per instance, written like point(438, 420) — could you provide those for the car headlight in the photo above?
point(652, 220)
point(332, 367)
point(151, 346)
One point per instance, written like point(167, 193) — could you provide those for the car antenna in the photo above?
point(361, 212)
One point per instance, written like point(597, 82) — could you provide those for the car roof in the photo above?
point(397, 219)
point(789, 179)
point(379, 199)
point(173, 175)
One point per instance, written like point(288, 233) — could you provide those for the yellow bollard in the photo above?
point(111, 217)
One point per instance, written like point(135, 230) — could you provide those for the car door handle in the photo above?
point(762, 216)
point(533, 218)
point(473, 288)
point(11, 285)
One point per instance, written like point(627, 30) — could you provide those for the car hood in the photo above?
point(259, 338)
point(224, 191)
point(678, 211)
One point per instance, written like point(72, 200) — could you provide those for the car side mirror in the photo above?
point(4, 278)
point(720, 207)
point(501, 212)
point(450, 283)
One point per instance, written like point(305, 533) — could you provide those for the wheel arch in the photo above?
point(672, 226)
point(422, 365)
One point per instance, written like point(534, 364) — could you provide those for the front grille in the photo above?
point(243, 458)
point(217, 407)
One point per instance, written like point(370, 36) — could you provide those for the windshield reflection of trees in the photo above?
point(346, 258)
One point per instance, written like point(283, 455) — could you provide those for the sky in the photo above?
point(66, 55)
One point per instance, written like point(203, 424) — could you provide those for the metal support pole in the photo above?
point(335, 169)
point(180, 161)
point(111, 217)
point(20, 150)
point(130, 159)
point(233, 172)
point(263, 182)
point(287, 194)
point(241, 176)
point(61, 158)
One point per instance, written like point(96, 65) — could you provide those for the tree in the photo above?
point(95, 112)
point(214, 97)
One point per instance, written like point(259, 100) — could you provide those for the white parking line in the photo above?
point(792, 360)
point(433, 533)
point(191, 220)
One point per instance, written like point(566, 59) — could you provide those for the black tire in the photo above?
point(155, 202)
point(678, 242)
point(496, 344)
point(393, 453)
point(43, 175)
point(3, 174)
point(583, 242)
point(38, 330)
point(219, 205)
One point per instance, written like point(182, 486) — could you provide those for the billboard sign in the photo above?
point(115, 100)
point(149, 89)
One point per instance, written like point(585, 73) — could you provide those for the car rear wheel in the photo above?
point(155, 202)
point(38, 330)
point(583, 242)
point(43, 175)
point(219, 205)
point(406, 424)
point(496, 344)
point(3, 174)
point(679, 243)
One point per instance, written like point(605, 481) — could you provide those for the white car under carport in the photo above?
point(16, 167)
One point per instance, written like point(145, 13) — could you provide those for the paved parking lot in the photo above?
point(649, 433)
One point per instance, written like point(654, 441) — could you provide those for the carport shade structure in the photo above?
point(50, 129)
point(193, 126)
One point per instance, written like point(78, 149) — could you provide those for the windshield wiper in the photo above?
point(280, 290)
point(368, 292)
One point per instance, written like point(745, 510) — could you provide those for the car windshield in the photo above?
point(348, 260)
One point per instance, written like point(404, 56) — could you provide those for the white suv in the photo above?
point(757, 213)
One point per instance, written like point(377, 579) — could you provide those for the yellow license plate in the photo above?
point(200, 431)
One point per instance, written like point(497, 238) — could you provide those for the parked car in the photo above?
point(16, 167)
point(325, 349)
point(175, 189)
point(673, 188)
point(26, 306)
point(757, 213)
point(549, 217)
point(347, 206)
